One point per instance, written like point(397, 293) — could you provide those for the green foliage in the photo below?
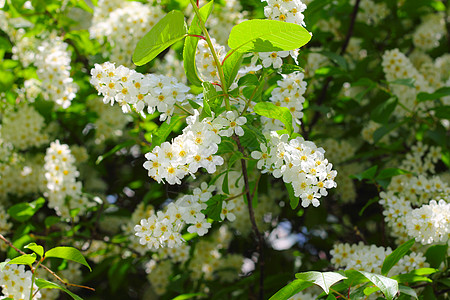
point(291, 289)
point(190, 44)
point(25, 259)
point(214, 208)
point(45, 284)
point(164, 34)
point(39, 250)
point(24, 211)
point(267, 36)
point(231, 66)
point(395, 256)
point(68, 253)
point(388, 287)
point(323, 279)
point(270, 110)
point(165, 129)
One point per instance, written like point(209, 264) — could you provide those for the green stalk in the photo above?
point(33, 278)
point(216, 58)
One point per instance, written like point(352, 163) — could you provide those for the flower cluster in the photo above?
point(204, 60)
point(429, 32)
point(430, 223)
point(421, 159)
point(370, 258)
point(130, 88)
point(208, 262)
point(163, 228)
point(285, 10)
point(290, 11)
point(193, 149)
point(300, 163)
point(16, 282)
point(61, 175)
point(31, 125)
point(289, 93)
point(21, 175)
point(53, 63)
point(370, 12)
point(397, 66)
point(224, 18)
point(123, 24)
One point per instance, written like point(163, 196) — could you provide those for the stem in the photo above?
point(183, 109)
point(44, 267)
point(323, 93)
point(256, 231)
point(343, 297)
point(214, 54)
point(33, 278)
point(198, 36)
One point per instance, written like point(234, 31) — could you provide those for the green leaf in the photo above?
point(114, 150)
point(442, 92)
point(189, 296)
point(338, 59)
point(291, 289)
point(382, 112)
point(323, 279)
point(290, 68)
point(165, 129)
point(442, 112)
point(388, 286)
point(44, 284)
point(51, 220)
point(383, 130)
point(68, 253)
point(415, 276)
point(36, 248)
point(395, 256)
point(267, 36)
point(26, 259)
point(25, 210)
point(436, 254)
point(82, 4)
point(367, 174)
point(5, 44)
point(214, 207)
point(390, 172)
point(270, 110)
point(165, 33)
point(404, 81)
point(190, 44)
point(248, 79)
point(225, 185)
point(370, 290)
point(292, 199)
point(407, 291)
point(370, 202)
point(212, 98)
point(231, 67)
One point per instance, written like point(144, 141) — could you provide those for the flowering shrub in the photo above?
point(275, 149)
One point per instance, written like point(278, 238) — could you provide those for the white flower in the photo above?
point(227, 208)
point(273, 58)
point(234, 123)
point(200, 226)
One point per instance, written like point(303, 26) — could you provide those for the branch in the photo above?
point(256, 231)
point(323, 92)
point(44, 267)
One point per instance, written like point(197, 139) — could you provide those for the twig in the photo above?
point(256, 231)
point(44, 267)
point(323, 92)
